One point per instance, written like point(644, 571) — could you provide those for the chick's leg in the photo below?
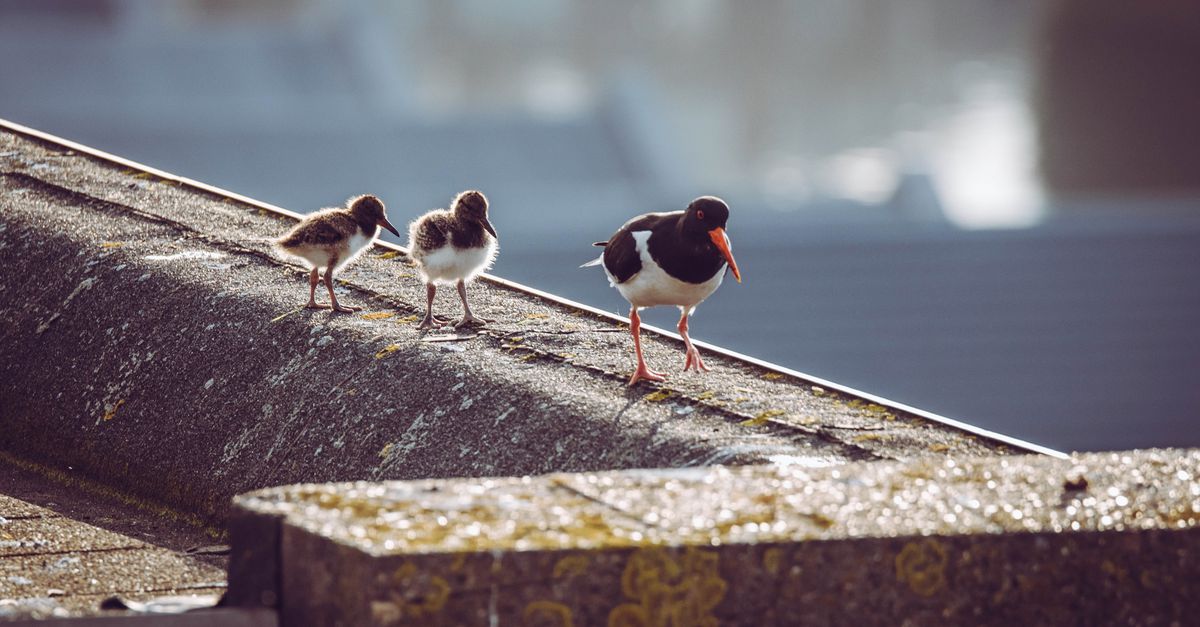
point(468, 318)
point(314, 277)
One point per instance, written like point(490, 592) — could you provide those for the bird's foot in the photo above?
point(644, 372)
point(471, 321)
point(312, 304)
point(693, 359)
point(338, 307)
point(432, 322)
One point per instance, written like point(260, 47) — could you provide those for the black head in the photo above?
point(369, 210)
point(473, 205)
point(705, 214)
point(704, 220)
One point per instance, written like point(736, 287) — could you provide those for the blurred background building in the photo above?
point(989, 209)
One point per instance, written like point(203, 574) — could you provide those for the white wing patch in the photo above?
point(652, 286)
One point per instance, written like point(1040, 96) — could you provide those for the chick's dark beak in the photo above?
point(388, 225)
point(488, 227)
point(719, 240)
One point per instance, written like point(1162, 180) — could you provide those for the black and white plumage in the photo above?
point(677, 258)
point(453, 246)
point(332, 238)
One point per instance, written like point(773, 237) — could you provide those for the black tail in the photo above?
point(600, 244)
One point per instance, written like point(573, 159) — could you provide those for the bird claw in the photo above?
point(693, 359)
point(645, 373)
point(316, 305)
point(469, 321)
point(337, 307)
point(432, 322)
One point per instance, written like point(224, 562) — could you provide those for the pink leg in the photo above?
point(642, 372)
point(314, 277)
point(329, 284)
point(693, 353)
point(468, 318)
point(431, 321)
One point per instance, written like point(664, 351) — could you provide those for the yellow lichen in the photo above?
point(939, 448)
point(706, 395)
point(389, 255)
point(536, 316)
point(286, 314)
point(387, 350)
point(772, 376)
point(112, 244)
point(772, 560)
point(667, 590)
point(657, 396)
point(546, 614)
point(417, 595)
point(407, 319)
point(112, 411)
point(386, 451)
point(571, 566)
point(922, 564)
point(762, 418)
point(379, 315)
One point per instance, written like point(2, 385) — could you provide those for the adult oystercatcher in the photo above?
point(453, 246)
point(677, 258)
point(332, 238)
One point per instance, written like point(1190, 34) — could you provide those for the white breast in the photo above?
point(358, 243)
point(652, 286)
point(448, 264)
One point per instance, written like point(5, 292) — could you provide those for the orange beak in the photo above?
point(719, 239)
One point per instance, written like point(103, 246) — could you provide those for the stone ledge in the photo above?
point(1100, 539)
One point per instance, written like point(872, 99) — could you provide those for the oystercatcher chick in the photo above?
point(453, 246)
point(332, 238)
point(676, 258)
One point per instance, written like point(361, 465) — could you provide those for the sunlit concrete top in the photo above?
point(757, 504)
point(1099, 539)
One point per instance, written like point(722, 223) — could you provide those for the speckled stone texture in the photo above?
point(158, 346)
point(1100, 539)
point(53, 567)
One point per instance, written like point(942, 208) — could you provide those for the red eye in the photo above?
point(699, 214)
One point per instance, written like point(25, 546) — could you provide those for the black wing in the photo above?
point(621, 257)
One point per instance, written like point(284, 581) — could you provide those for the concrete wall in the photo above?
point(153, 341)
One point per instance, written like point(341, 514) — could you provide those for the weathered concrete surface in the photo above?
point(155, 344)
point(52, 566)
point(39, 488)
point(1101, 539)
